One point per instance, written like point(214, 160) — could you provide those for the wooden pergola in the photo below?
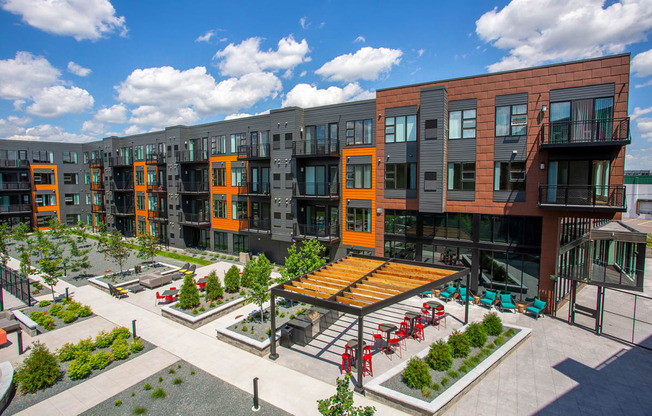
point(360, 285)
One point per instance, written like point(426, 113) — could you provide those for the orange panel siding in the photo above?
point(54, 188)
point(224, 223)
point(357, 238)
point(141, 188)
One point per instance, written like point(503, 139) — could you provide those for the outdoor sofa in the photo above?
point(8, 322)
point(154, 280)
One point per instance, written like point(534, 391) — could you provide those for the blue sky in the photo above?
point(79, 70)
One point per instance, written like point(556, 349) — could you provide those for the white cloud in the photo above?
point(25, 76)
point(644, 126)
point(538, 31)
point(360, 39)
point(642, 64)
point(420, 52)
point(246, 57)
point(81, 19)
point(305, 95)
point(13, 125)
point(206, 37)
point(59, 100)
point(116, 114)
point(78, 69)
point(50, 133)
point(133, 130)
point(304, 22)
point(367, 63)
point(638, 111)
point(243, 115)
point(303, 73)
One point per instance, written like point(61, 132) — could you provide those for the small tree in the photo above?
point(341, 403)
point(232, 280)
point(189, 295)
point(81, 231)
point(247, 275)
point(79, 258)
point(258, 291)
point(20, 232)
point(149, 246)
point(57, 229)
point(214, 289)
point(38, 371)
point(25, 261)
point(116, 249)
point(4, 238)
point(307, 259)
point(51, 272)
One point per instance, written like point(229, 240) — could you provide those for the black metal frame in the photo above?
point(15, 284)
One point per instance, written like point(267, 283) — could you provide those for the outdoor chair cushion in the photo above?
point(539, 304)
point(489, 297)
point(506, 301)
point(464, 295)
point(449, 292)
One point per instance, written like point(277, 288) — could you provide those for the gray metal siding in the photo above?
point(358, 203)
point(359, 160)
point(406, 152)
point(580, 93)
point(504, 148)
point(409, 110)
point(459, 105)
point(461, 150)
point(511, 99)
point(432, 153)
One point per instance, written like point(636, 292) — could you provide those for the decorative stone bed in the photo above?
point(377, 388)
point(202, 318)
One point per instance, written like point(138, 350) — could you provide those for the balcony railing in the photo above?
point(199, 187)
point(263, 226)
point(14, 163)
point(157, 187)
point(322, 232)
point(192, 156)
point(120, 161)
point(155, 159)
point(256, 151)
point(316, 190)
point(315, 148)
point(97, 186)
point(194, 219)
point(15, 186)
point(157, 215)
point(586, 132)
point(98, 208)
point(16, 208)
point(601, 197)
point(123, 210)
point(122, 186)
point(254, 188)
point(96, 163)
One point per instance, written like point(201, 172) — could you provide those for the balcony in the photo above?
point(583, 197)
point(603, 132)
point(15, 186)
point(258, 226)
point(97, 186)
point(316, 190)
point(193, 187)
point(20, 164)
point(96, 163)
point(16, 209)
point(121, 161)
point(254, 189)
point(192, 156)
point(157, 187)
point(155, 159)
point(98, 208)
point(122, 186)
point(258, 151)
point(159, 216)
point(123, 210)
point(195, 219)
point(323, 233)
point(327, 148)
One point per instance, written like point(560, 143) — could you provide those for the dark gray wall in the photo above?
point(432, 144)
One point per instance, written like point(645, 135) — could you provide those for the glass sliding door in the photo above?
point(604, 112)
point(582, 121)
point(560, 122)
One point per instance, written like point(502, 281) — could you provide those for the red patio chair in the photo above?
point(158, 297)
point(395, 342)
point(427, 317)
point(366, 362)
point(426, 306)
point(346, 363)
point(403, 333)
point(378, 336)
point(418, 330)
point(440, 315)
point(169, 299)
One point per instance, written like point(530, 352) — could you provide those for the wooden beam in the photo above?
point(414, 279)
point(351, 301)
point(316, 287)
point(364, 285)
point(370, 293)
point(360, 297)
point(322, 282)
point(306, 292)
point(401, 284)
point(395, 290)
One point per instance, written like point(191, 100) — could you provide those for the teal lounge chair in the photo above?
point(463, 294)
point(489, 298)
point(536, 308)
point(426, 293)
point(507, 303)
point(448, 293)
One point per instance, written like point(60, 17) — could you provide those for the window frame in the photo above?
point(409, 176)
point(511, 170)
point(351, 175)
point(358, 220)
point(512, 129)
point(463, 128)
point(392, 129)
point(458, 184)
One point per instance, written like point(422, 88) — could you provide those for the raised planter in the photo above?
point(195, 321)
point(259, 348)
point(452, 394)
point(26, 323)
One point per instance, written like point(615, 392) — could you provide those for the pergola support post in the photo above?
point(272, 342)
point(466, 303)
point(358, 356)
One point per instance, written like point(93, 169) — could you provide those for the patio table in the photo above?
point(170, 292)
point(353, 344)
point(388, 328)
point(202, 280)
point(412, 316)
point(433, 305)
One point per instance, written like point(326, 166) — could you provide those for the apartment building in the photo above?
point(492, 171)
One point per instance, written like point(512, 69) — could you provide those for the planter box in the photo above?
point(195, 321)
point(259, 348)
point(100, 283)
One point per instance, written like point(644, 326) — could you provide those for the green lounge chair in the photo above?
point(489, 298)
point(536, 308)
point(448, 293)
point(507, 303)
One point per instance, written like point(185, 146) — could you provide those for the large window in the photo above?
point(69, 157)
point(509, 176)
point(240, 243)
point(401, 222)
point(140, 177)
point(401, 129)
point(220, 241)
point(511, 120)
point(219, 209)
point(358, 219)
point(582, 120)
point(71, 199)
point(141, 227)
point(239, 210)
point(461, 176)
point(218, 145)
point(511, 229)
point(219, 177)
point(461, 124)
point(238, 176)
point(47, 200)
point(401, 176)
point(42, 156)
point(358, 176)
point(237, 140)
point(357, 132)
point(139, 154)
point(140, 202)
point(71, 178)
point(510, 272)
point(400, 250)
point(44, 179)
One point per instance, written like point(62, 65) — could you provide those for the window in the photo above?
point(401, 129)
point(401, 222)
point(240, 243)
point(71, 199)
point(139, 154)
point(152, 202)
point(358, 132)
point(582, 120)
point(73, 219)
point(88, 199)
point(511, 120)
point(87, 178)
point(47, 200)
point(218, 145)
point(71, 178)
point(220, 241)
point(358, 176)
point(42, 156)
point(358, 219)
point(461, 124)
point(43, 221)
point(141, 227)
point(44, 179)
point(140, 202)
point(237, 140)
point(509, 176)
point(238, 176)
point(153, 229)
point(288, 140)
point(239, 210)
point(401, 176)
point(69, 157)
point(151, 176)
point(288, 180)
point(219, 176)
point(97, 199)
point(140, 177)
point(276, 139)
point(219, 209)
point(86, 157)
point(461, 176)
point(276, 180)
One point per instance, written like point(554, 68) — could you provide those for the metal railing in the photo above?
point(586, 131)
point(192, 156)
point(596, 196)
point(155, 159)
point(316, 189)
point(157, 187)
point(15, 186)
point(118, 161)
point(255, 151)
point(96, 163)
point(122, 186)
point(157, 215)
point(14, 163)
point(263, 225)
point(17, 285)
point(315, 148)
point(329, 232)
point(254, 188)
point(5, 209)
point(193, 187)
point(123, 210)
point(196, 219)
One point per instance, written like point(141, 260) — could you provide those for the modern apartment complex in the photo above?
point(499, 172)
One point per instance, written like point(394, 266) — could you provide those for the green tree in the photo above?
point(25, 261)
point(189, 295)
point(258, 290)
point(102, 239)
point(20, 232)
point(57, 229)
point(41, 246)
point(307, 259)
point(79, 258)
point(81, 231)
point(51, 271)
point(4, 238)
point(232, 280)
point(116, 249)
point(247, 275)
point(149, 246)
point(38, 371)
point(214, 289)
point(341, 403)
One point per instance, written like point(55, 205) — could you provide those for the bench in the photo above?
point(117, 292)
point(26, 323)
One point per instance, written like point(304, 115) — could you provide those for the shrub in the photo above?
point(84, 311)
point(38, 371)
point(463, 369)
point(416, 375)
point(476, 335)
point(425, 391)
point(492, 324)
point(192, 373)
point(68, 316)
point(56, 309)
point(214, 289)
point(148, 386)
point(120, 349)
point(444, 381)
point(160, 379)
point(232, 280)
point(139, 410)
point(67, 352)
point(118, 403)
point(195, 311)
point(500, 340)
point(460, 347)
point(189, 295)
point(44, 304)
point(45, 320)
point(211, 305)
point(453, 374)
point(103, 339)
point(73, 306)
point(158, 393)
point(120, 332)
point(136, 345)
point(85, 346)
point(171, 371)
point(436, 387)
point(439, 357)
point(177, 381)
point(510, 333)
point(247, 277)
point(244, 328)
point(78, 369)
point(99, 360)
point(202, 309)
